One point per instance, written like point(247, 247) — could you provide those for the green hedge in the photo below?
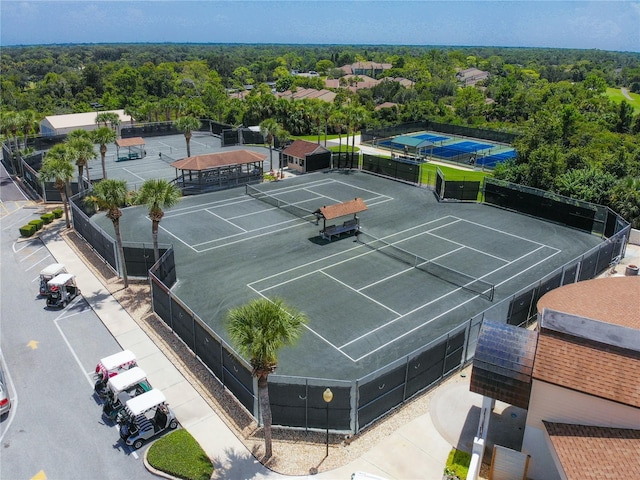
point(58, 212)
point(27, 230)
point(38, 223)
point(179, 454)
point(47, 218)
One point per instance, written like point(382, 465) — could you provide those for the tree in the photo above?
point(110, 119)
point(80, 141)
point(110, 195)
point(269, 129)
point(259, 329)
point(58, 167)
point(157, 195)
point(102, 136)
point(625, 199)
point(186, 125)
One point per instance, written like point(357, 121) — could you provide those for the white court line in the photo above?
point(134, 174)
point(306, 326)
point(396, 274)
point(466, 246)
point(382, 326)
point(504, 233)
point(245, 239)
point(445, 295)
point(225, 220)
point(362, 294)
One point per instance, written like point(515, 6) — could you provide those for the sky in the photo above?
point(605, 25)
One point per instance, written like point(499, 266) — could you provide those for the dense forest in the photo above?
point(575, 138)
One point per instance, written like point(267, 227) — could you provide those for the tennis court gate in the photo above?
point(462, 190)
point(404, 170)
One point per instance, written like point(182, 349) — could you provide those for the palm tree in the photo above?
point(110, 119)
point(80, 141)
point(259, 329)
point(28, 120)
point(357, 116)
point(186, 125)
point(157, 195)
point(268, 129)
point(338, 122)
point(103, 136)
point(110, 195)
point(58, 167)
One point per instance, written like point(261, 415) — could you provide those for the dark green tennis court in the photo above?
point(418, 269)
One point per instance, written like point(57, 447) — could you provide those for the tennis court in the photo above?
point(159, 153)
point(453, 148)
point(418, 269)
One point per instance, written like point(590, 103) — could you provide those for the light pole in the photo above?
point(327, 396)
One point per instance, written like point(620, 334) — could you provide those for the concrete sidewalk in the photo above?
point(416, 450)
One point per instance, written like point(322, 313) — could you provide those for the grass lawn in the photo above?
point(616, 95)
point(428, 173)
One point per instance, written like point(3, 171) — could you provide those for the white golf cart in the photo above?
point(110, 366)
point(62, 289)
point(146, 416)
point(123, 387)
point(49, 273)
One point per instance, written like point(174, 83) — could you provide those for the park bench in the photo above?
point(337, 230)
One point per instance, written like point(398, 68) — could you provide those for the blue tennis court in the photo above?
point(491, 161)
point(468, 146)
point(430, 137)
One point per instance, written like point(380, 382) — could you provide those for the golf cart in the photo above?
point(49, 273)
point(145, 416)
point(123, 387)
point(110, 366)
point(62, 289)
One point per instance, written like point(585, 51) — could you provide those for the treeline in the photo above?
point(574, 139)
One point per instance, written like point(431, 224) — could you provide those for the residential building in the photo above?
point(578, 376)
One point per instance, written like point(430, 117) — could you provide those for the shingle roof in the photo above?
point(130, 142)
point(595, 453)
point(302, 148)
point(341, 209)
point(213, 160)
point(590, 367)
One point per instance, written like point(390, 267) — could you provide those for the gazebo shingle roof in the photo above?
point(213, 160)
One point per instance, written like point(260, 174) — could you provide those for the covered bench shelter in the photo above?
point(134, 146)
point(331, 212)
point(217, 171)
point(413, 145)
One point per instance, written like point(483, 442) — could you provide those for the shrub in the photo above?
point(458, 463)
point(58, 212)
point(179, 454)
point(47, 218)
point(38, 223)
point(27, 230)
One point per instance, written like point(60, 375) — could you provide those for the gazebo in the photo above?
point(331, 212)
point(134, 146)
point(217, 171)
point(412, 145)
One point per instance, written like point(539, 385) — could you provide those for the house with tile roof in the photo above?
point(470, 76)
point(578, 376)
point(366, 68)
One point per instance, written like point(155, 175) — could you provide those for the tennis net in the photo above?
point(276, 202)
point(449, 275)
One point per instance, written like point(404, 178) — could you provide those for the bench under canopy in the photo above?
point(331, 212)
